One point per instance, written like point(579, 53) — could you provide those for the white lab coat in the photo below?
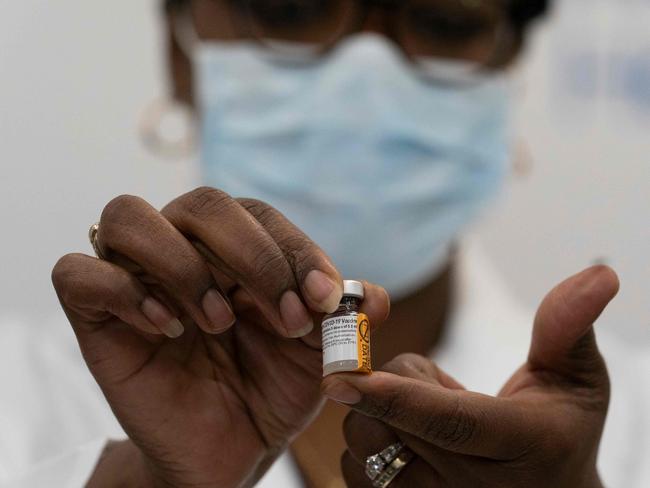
point(54, 421)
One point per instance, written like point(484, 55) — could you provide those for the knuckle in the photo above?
point(206, 201)
point(61, 272)
point(268, 263)
point(451, 429)
point(262, 211)
point(594, 398)
point(391, 407)
point(300, 250)
point(411, 365)
point(590, 369)
point(188, 279)
point(411, 360)
point(293, 239)
point(119, 208)
point(123, 285)
point(69, 277)
point(119, 293)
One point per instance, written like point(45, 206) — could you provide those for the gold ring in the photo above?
point(92, 237)
point(384, 466)
point(387, 476)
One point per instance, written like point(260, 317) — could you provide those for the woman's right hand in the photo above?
point(542, 430)
point(199, 328)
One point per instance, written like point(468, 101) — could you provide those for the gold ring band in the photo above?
point(387, 476)
point(383, 467)
point(92, 237)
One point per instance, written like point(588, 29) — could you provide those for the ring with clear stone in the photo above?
point(384, 466)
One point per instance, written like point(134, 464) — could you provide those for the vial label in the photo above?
point(347, 338)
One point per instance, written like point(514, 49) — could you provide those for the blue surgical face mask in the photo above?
point(380, 168)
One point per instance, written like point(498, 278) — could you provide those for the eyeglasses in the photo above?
point(473, 34)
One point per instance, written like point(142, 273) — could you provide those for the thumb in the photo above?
point(455, 420)
point(563, 339)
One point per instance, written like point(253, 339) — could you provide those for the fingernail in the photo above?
point(341, 392)
point(173, 329)
point(218, 311)
point(324, 291)
point(162, 318)
point(295, 317)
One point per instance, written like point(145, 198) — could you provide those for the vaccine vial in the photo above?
point(346, 334)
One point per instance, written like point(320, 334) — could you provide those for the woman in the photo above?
point(379, 129)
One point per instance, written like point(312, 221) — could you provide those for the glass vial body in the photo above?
point(346, 334)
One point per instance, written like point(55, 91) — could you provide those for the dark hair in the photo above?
point(522, 12)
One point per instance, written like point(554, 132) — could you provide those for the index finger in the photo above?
point(319, 280)
point(234, 241)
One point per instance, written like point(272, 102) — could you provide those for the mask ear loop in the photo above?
point(184, 32)
point(168, 128)
point(523, 159)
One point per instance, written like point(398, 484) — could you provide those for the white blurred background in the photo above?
point(75, 76)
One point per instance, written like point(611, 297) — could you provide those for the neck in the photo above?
point(417, 322)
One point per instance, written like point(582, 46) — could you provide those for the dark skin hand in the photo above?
point(210, 400)
point(543, 429)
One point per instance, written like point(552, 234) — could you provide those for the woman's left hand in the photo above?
point(215, 400)
point(542, 430)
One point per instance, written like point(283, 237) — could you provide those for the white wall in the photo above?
point(585, 118)
point(74, 76)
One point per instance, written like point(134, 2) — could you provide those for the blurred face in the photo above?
point(474, 31)
point(382, 124)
